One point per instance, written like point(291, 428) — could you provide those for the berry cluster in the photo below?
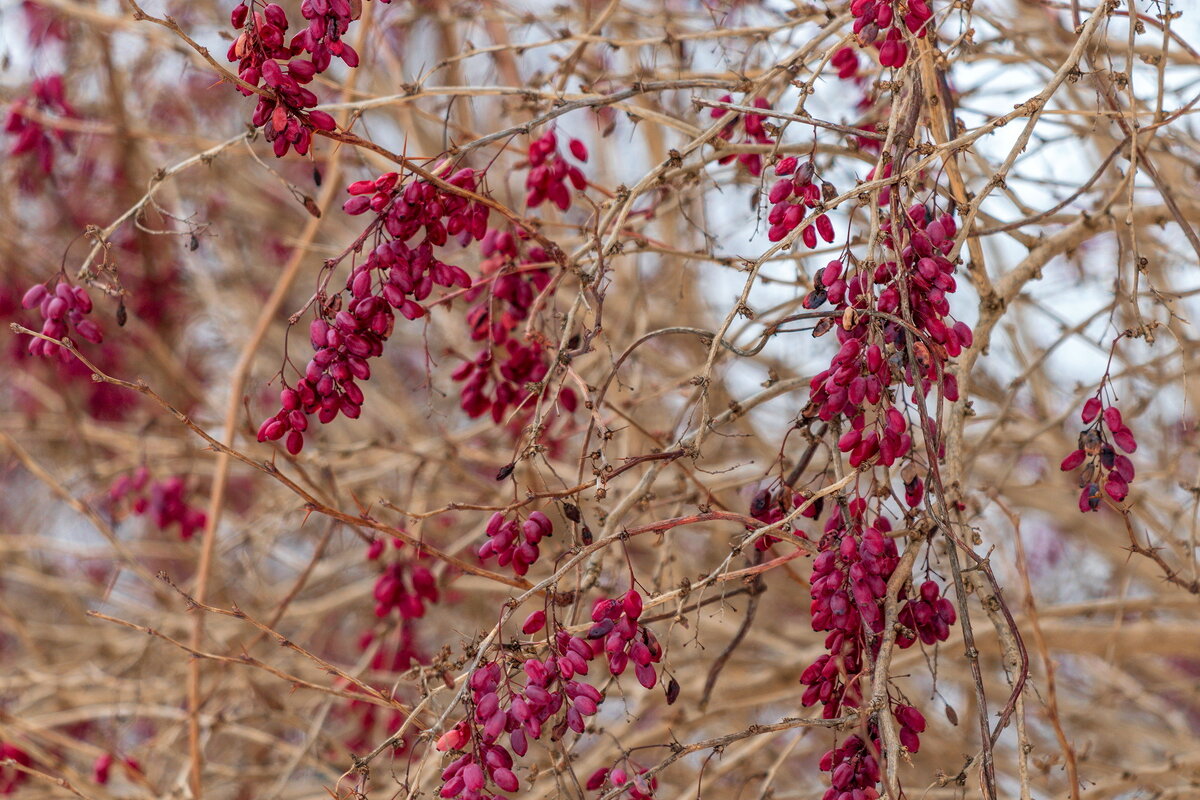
point(752, 124)
point(165, 502)
point(513, 544)
point(522, 366)
point(625, 640)
point(854, 771)
point(849, 583)
point(796, 183)
point(580, 699)
point(912, 724)
point(548, 687)
point(849, 588)
point(874, 357)
point(47, 98)
point(102, 401)
point(504, 703)
point(61, 310)
point(515, 282)
point(927, 617)
point(550, 171)
point(328, 21)
point(637, 787)
point(404, 587)
point(285, 111)
point(342, 350)
point(492, 384)
point(394, 277)
point(877, 18)
point(1106, 470)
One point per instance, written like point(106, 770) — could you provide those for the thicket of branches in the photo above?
point(667, 399)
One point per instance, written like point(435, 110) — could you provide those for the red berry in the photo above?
point(1073, 460)
point(534, 622)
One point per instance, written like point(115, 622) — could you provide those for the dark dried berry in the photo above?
point(815, 299)
point(505, 471)
point(1108, 456)
point(601, 629)
point(760, 503)
point(823, 327)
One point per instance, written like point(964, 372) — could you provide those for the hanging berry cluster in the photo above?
point(63, 309)
point(874, 357)
point(163, 501)
point(550, 171)
point(520, 711)
point(755, 133)
point(853, 767)
point(513, 544)
point(625, 640)
point(791, 196)
point(849, 590)
point(544, 694)
point(1106, 472)
point(874, 19)
point(403, 586)
point(402, 592)
point(47, 98)
point(894, 329)
point(285, 109)
point(492, 383)
point(395, 276)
